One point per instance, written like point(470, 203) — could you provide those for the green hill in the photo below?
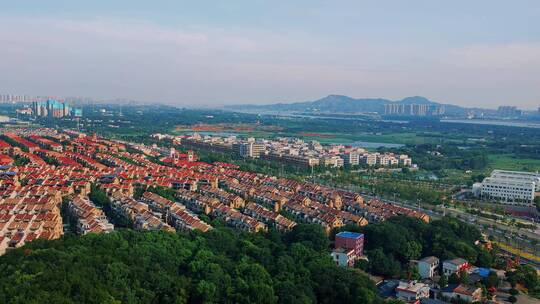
point(342, 104)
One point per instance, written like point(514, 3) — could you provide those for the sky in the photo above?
point(211, 53)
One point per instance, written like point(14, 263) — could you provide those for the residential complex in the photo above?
point(66, 165)
point(295, 152)
point(510, 187)
point(427, 288)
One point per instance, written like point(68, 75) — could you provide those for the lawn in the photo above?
point(509, 162)
point(349, 138)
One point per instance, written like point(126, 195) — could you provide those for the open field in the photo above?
point(508, 162)
point(325, 138)
point(227, 127)
point(495, 161)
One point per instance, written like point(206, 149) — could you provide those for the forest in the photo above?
point(223, 266)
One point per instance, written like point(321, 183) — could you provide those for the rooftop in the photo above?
point(430, 259)
point(457, 262)
point(350, 235)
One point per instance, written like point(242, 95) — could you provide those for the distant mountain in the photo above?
point(341, 104)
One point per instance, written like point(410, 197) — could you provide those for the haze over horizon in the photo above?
point(481, 53)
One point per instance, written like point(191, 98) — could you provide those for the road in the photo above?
point(523, 239)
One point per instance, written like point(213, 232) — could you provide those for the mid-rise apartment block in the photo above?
point(510, 187)
point(351, 159)
point(248, 149)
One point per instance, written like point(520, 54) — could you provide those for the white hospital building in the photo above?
point(510, 187)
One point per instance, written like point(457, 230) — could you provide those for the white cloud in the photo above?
point(194, 65)
point(497, 56)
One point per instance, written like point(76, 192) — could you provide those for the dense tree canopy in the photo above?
point(222, 266)
point(392, 244)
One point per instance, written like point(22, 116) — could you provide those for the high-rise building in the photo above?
point(413, 109)
point(10, 98)
point(509, 111)
point(54, 108)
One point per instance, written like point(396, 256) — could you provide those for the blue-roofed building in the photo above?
point(478, 274)
point(483, 272)
point(349, 247)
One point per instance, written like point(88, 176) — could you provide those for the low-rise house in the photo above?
point(303, 210)
point(4, 147)
point(90, 219)
point(6, 160)
point(349, 247)
point(181, 219)
point(231, 200)
point(138, 214)
point(269, 217)
point(462, 292)
point(156, 202)
point(455, 266)
point(197, 202)
point(238, 220)
point(27, 213)
point(412, 291)
point(427, 267)
point(124, 188)
point(344, 257)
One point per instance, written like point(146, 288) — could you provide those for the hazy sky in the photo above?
point(466, 52)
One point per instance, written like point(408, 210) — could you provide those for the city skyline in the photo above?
point(255, 52)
